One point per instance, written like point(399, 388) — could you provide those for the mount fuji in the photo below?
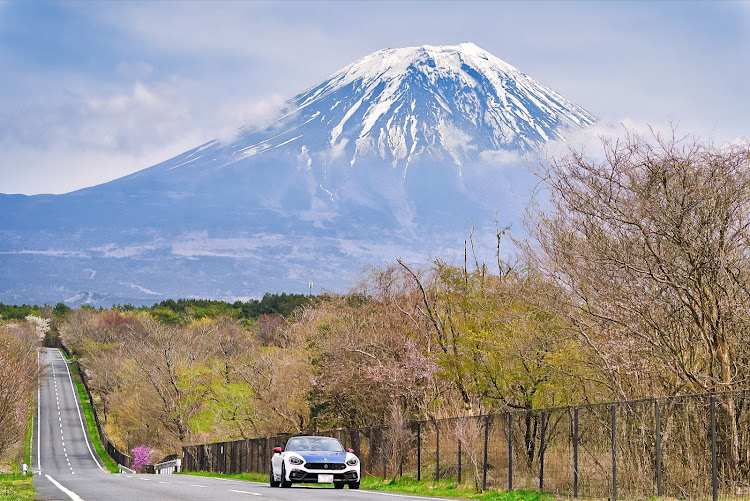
point(396, 155)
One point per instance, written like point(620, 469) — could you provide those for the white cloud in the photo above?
point(500, 158)
point(49, 253)
point(201, 245)
point(151, 80)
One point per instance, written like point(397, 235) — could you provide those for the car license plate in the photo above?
point(325, 478)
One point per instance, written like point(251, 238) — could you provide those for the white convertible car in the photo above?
point(320, 460)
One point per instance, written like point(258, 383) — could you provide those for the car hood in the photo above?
point(322, 456)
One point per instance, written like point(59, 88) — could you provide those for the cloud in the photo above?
point(201, 245)
point(49, 253)
point(501, 158)
point(134, 81)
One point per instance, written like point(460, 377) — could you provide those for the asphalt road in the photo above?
point(66, 468)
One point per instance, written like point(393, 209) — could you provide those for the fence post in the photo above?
point(437, 450)
point(263, 455)
point(459, 461)
point(419, 451)
point(575, 452)
point(613, 412)
point(510, 451)
point(371, 457)
point(251, 459)
point(714, 464)
point(383, 440)
point(486, 443)
point(657, 427)
point(541, 455)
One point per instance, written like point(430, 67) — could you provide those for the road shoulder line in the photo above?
point(72, 495)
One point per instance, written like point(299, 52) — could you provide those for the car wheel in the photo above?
point(354, 485)
point(272, 479)
point(284, 482)
point(339, 485)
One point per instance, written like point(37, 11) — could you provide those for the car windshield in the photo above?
point(323, 444)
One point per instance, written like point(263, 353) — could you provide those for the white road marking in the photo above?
point(72, 495)
point(245, 492)
point(196, 485)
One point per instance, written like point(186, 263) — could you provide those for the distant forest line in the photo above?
point(173, 311)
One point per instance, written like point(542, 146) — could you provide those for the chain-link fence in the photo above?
point(687, 447)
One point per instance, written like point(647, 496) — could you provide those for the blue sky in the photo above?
point(91, 91)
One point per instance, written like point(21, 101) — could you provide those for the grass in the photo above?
point(448, 489)
point(14, 487)
point(408, 485)
point(29, 437)
point(88, 414)
point(250, 477)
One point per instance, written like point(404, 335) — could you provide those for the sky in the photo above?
point(92, 91)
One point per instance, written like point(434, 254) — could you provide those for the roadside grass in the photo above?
point(448, 489)
point(88, 414)
point(250, 477)
point(408, 485)
point(15, 487)
point(29, 437)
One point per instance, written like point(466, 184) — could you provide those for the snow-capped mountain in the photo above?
point(393, 156)
point(400, 105)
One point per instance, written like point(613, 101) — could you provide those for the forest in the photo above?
point(633, 282)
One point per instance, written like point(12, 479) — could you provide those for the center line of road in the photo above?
point(196, 485)
point(246, 492)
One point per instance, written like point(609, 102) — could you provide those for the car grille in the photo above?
point(325, 466)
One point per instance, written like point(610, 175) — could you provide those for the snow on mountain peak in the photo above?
point(438, 102)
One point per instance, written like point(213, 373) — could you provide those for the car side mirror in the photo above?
point(277, 450)
point(350, 450)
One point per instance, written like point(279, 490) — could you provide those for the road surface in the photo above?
point(66, 468)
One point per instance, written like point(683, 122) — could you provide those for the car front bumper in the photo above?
point(300, 474)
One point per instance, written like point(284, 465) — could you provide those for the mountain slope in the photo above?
point(393, 156)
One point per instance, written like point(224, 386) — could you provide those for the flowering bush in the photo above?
point(142, 455)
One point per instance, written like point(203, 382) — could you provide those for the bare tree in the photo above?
point(652, 243)
point(18, 380)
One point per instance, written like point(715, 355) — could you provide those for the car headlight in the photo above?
point(296, 460)
point(352, 461)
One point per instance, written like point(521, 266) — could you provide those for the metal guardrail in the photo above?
point(125, 469)
point(168, 467)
